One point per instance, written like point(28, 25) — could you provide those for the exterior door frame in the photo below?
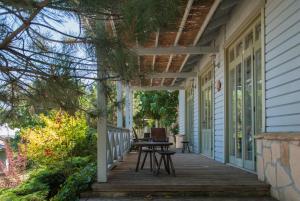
point(258, 13)
point(207, 67)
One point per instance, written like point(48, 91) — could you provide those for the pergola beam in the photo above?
point(175, 50)
point(182, 24)
point(171, 75)
point(201, 31)
point(157, 88)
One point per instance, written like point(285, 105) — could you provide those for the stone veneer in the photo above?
point(278, 163)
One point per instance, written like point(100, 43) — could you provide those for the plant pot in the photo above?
point(179, 139)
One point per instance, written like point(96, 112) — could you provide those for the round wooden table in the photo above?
point(151, 145)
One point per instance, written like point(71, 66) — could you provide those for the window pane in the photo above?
point(248, 108)
point(232, 111)
point(257, 31)
point(248, 40)
point(239, 49)
point(239, 113)
point(258, 112)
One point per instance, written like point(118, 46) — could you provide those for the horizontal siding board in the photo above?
point(283, 58)
point(287, 99)
point(283, 79)
point(283, 89)
point(292, 42)
point(283, 128)
point(283, 37)
point(282, 28)
point(288, 66)
point(272, 5)
point(284, 110)
point(289, 120)
point(286, 9)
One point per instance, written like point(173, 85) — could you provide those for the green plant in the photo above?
point(76, 183)
point(68, 178)
point(58, 139)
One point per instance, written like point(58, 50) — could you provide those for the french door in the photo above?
point(245, 96)
point(190, 115)
point(207, 113)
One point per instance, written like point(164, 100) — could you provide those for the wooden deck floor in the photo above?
point(194, 174)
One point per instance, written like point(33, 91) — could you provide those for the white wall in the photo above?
point(181, 111)
point(282, 38)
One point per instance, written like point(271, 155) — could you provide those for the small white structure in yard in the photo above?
point(5, 132)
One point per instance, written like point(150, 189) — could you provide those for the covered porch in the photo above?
point(168, 61)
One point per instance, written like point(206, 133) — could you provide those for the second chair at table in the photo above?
point(156, 135)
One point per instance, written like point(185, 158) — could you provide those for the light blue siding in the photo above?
point(219, 111)
point(282, 57)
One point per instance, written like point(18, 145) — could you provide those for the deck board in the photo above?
point(194, 173)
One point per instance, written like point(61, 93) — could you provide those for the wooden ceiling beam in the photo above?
point(154, 57)
point(141, 51)
point(201, 30)
point(171, 75)
point(181, 26)
point(158, 88)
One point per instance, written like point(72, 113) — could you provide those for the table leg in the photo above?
point(139, 158)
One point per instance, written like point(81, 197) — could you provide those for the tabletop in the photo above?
point(153, 143)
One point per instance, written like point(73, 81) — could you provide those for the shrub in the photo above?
point(60, 182)
point(76, 183)
point(57, 139)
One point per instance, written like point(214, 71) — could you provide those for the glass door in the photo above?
point(206, 113)
point(190, 115)
point(245, 97)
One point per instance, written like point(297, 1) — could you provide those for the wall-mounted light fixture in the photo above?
point(214, 62)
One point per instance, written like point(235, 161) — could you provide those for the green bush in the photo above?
point(61, 182)
point(76, 183)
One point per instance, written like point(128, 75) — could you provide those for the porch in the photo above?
point(196, 175)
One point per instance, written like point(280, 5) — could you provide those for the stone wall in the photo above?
point(278, 163)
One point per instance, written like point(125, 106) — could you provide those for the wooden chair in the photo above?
point(159, 135)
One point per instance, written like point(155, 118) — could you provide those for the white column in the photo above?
point(196, 147)
point(128, 107)
point(181, 112)
point(120, 107)
point(101, 125)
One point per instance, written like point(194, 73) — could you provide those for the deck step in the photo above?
point(108, 190)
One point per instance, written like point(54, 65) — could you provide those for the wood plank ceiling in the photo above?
point(183, 34)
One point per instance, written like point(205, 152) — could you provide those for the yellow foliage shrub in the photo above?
point(57, 138)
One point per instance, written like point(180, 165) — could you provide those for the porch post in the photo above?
point(128, 109)
point(101, 121)
point(181, 112)
point(120, 105)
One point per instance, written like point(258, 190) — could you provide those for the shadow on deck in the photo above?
point(195, 175)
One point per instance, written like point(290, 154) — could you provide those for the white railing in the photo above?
point(118, 144)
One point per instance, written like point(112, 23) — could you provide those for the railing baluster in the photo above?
point(118, 144)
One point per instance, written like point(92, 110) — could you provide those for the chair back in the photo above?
point(158, 135)
point(147, 135)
